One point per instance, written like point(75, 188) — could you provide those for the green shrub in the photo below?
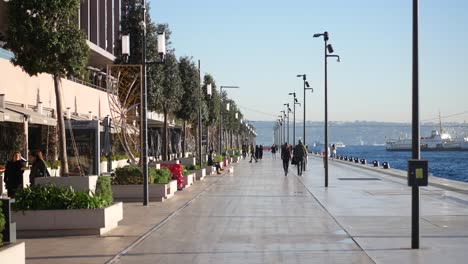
point(104, 189)
point(50, 197)
point(218, 158)
point(193, 167)
point(119, 157)
point(185, 172)
point(163, 176)
point(131, 174)
point(53, 164)
point(2, 223)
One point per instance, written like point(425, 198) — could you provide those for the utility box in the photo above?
point(417, 173)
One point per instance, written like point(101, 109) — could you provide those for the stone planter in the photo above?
point(87, 183)
point(134, 193)
point(199, 174)
point(103, 166)
point(121, 163)
point(74, 222)
point(13, 253)
point(188, 180)
point(188, 161)
point(2, 184)
point(210, 170)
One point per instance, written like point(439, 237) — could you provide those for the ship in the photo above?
point(339, 144)
point(439, 140)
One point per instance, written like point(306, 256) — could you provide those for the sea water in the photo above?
point(446, 164)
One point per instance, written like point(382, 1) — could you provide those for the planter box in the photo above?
point(134, 193)
point(13, 253)
point(2, 184)
point(87, 183)
point(170, 162)
point(188, 180)
point(199, 174)
point(187, 161)
point(210, 170)
point(76, 222)
point(155, 165)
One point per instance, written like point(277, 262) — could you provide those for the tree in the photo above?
point(45, 38)
point(166, 92)
point(190, 83)
point(211, 113)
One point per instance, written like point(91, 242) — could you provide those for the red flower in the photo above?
point(176, 171)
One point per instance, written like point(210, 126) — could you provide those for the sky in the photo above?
point(261, 45)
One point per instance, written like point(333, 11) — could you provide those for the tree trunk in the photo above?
point(61, 127)
point(184, 139)
point(164, 139)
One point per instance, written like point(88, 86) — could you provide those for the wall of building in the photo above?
point(21, 88)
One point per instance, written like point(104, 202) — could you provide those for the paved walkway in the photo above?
point(258, 215)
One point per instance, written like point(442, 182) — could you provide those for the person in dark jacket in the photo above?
point(286, 157)
point(210, 162)
point(14, 174)
point(260, 152)
point(253, 153)
point(38, 168)
point(300, 155)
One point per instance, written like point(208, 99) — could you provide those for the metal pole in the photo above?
point(326, 119)
point(221, 120)
point(288, 124)
point(144, 124)
point(304, 122)
point(294, 121)
point(415, 129)
point(200, 162)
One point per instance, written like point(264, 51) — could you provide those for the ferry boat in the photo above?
point(437, 141)
point(339, 144)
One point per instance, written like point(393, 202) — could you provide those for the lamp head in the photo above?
point(330, 48)
point(317, 35)
point(307, 84)
point(325, 36)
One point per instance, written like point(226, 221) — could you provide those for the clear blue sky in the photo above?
point(262, 45)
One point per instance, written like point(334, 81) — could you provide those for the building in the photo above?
point(27, 103)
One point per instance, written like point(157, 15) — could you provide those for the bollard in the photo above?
point(356, 160)
point(386, 165)
point(9, 233)
point(345, 157)
point(363, 161)
point(376, 163)
point(350, 159)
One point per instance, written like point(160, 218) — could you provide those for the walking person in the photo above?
point(260, 152)
point(300, 155)
point(273, 151)
point(253, 153)
point(244, 151)
point(14, 174)
point(286, 157)
point(38, 168)
point(333, 149)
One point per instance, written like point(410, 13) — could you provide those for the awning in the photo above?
point(10, 116)
point(33, 117)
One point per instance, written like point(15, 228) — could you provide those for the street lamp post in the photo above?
point(284, 127)
point(199, 116)
point(161, 39)
point(221, 113)
point(328, 49)
point(416, 150)
point(306, 87)
point(295, 102)
point(287, 120)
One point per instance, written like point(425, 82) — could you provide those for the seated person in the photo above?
point(211, 163)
